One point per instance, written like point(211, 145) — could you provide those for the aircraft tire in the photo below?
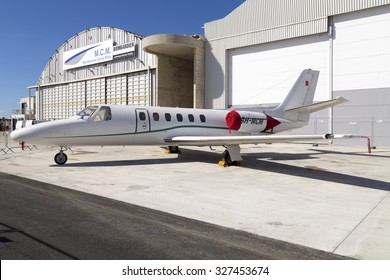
point(60, 158)
point(227, 159)
point(174, 150)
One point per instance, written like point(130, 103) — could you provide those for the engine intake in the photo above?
point(249, 122)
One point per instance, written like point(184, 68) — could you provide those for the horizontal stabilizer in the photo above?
point(317, 106)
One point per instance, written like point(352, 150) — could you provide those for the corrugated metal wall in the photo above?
point(255, 16)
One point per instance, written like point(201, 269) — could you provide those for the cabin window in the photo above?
point(156, 117)
point(168, 117)
point(191, 117)
point(202, 118)
point(142, 116)
point(179, 117)
point(104, 114)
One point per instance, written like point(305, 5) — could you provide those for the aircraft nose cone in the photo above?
point(15, 135)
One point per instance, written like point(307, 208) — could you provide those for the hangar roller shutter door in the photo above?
point(64, 100)
point(265, 73)
point(138, 86)
point(131, 89)
point(362, 73)
point(76, 99)
point(116, 90)
point(96, 91)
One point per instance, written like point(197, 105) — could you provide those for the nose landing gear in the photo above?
point(61, 158)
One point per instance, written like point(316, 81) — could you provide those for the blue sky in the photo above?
point(33, 30)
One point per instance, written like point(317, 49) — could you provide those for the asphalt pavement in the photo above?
point(44, 221)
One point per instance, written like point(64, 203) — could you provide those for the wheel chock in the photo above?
point(172, 152)
point(222, 163)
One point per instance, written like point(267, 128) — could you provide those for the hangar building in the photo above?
point(106, 65)
point(255, 54)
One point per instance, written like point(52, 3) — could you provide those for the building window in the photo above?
point(156, 117)
point(202, 118)
point(179, 117)
point(168, 117)
point(191, 117)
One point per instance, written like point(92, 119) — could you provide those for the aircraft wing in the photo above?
point(236, 140)
point(254, 139)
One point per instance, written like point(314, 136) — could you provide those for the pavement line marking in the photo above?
point(369, 213)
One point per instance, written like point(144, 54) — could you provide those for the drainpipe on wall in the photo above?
point(331, 38)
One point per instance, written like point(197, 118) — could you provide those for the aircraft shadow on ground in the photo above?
point(265, 162)
point(363, 154)
point(317, 174)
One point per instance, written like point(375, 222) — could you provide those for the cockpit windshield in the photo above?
point(103, 115)
point(87, 112)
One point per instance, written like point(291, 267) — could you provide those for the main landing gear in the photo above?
point(227, 160)
point(231, 156)
point(173, 150)
point(61, 158)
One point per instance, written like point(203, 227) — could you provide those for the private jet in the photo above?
point(105, 124)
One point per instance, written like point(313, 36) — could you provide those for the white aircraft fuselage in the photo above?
point(128, 125)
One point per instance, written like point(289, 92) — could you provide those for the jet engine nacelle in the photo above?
point(249, 122)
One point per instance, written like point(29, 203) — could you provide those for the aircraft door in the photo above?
point(143, 120)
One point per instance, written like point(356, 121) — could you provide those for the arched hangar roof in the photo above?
point(54, 73)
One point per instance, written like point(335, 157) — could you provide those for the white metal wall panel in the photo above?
point(255, 15)
point(265, 73)
point(362, 50)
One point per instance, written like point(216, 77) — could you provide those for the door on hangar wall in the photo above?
point(265, 73)
point(362, 49)
point(61, 101)
point(132, 89)
point(362, 73)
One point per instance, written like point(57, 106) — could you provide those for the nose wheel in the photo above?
point(61, 158)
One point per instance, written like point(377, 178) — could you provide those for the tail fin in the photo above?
point(301, 94)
